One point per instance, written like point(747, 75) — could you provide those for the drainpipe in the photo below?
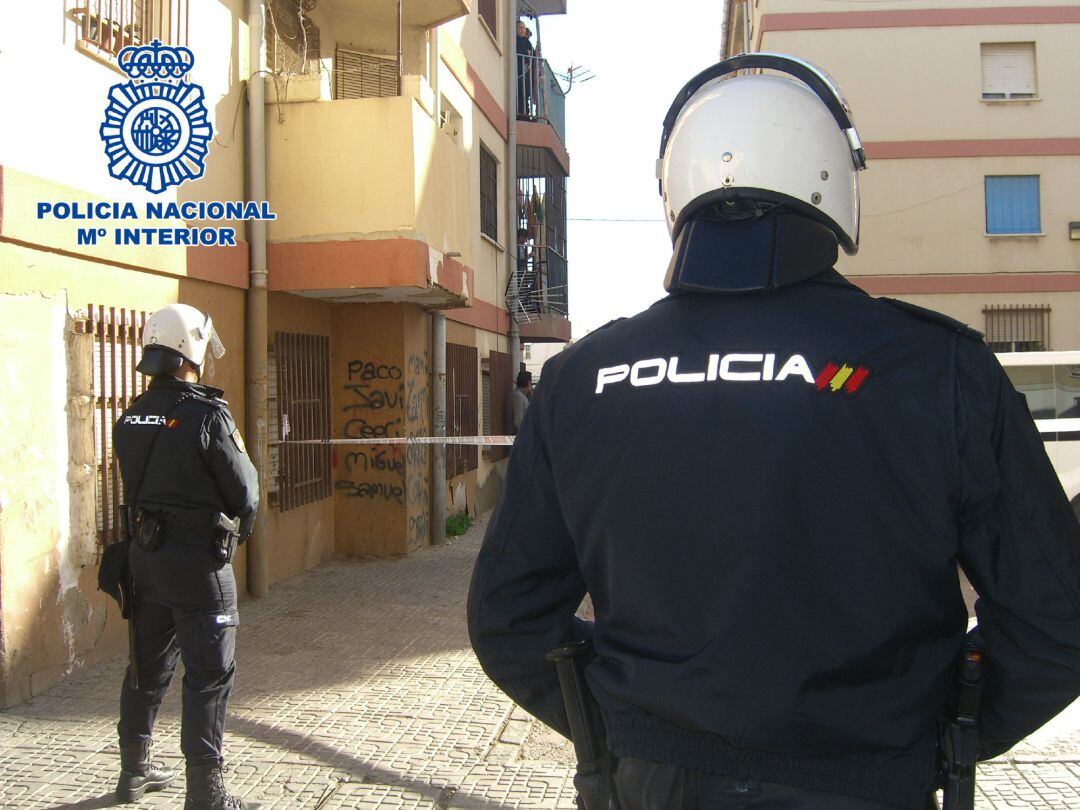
point(438, 417)
point(400, 67)
point(255, 336)
point(746, 26)
point(511, 183)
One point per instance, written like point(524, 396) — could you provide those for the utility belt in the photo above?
point(149, 530)
point(958, 744)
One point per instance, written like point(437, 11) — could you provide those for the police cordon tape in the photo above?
point(470, 440)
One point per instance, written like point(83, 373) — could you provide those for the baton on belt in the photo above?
point(594, 763)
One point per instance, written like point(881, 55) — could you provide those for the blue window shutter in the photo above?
point(1012, 204)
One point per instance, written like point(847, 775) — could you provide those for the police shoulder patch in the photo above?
point(238, 440)
point(933, 316)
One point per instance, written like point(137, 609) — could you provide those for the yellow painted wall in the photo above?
point(63, 144)
point(928, 216)
point(485, 52)
point(302, 537)
point(368, 387)
point(53, 618)
point(926, 83)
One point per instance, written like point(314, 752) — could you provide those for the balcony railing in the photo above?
point(539, 285)
point(540, 96)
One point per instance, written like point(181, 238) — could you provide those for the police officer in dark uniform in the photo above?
point(766, 482)
point(192, 494)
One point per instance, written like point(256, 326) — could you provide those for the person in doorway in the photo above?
point(520, 398)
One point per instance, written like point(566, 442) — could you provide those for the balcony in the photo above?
point(414, 13)
point(541, 100)
point(370, 196)
point(537, 295)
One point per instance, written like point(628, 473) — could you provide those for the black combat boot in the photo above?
point(206, 790)
point(138, 775)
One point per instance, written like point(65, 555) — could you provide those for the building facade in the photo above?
point(968, 113)
point(388, 164)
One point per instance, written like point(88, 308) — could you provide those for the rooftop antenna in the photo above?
point(575, 73)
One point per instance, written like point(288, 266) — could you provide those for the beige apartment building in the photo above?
point(968, 111)
point(401, 176)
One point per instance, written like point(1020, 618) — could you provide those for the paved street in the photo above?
point(357, 689)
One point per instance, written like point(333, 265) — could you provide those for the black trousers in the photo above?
point(185, 607)
point(643, 785)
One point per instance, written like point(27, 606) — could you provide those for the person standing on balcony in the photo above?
point(192, 496)
point(526, 64)
point(766, 482)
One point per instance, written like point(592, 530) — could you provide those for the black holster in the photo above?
point(149, 530)
point(226, 536)
point(595, 764)
point(959, 733)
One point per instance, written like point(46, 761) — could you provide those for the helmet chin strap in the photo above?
point(719, 256)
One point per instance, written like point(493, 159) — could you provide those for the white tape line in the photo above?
point(477, 440)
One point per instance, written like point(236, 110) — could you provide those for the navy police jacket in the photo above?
point(198, 465)
point(767, 496)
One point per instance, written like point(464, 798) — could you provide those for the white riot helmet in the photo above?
point(176, 333)
point(759, 140)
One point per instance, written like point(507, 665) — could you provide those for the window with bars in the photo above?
point(108, 26)
point(489, 194)
point(498, 385)
point(488, 10)
point(117, 350)
point(364, 75)
point(462, 407)
point(1012, 204)
point(302, 393)
point(1008, 70)
point(292, 38)
point(1018, 328)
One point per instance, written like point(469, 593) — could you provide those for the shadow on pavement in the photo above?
point(106, 800)
point(364, 771)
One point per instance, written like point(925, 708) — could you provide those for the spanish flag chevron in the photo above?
point(835, 377)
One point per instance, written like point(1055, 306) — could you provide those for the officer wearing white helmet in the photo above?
point(191, 494)
point(766, 482)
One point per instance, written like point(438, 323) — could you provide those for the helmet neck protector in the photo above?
point(723, 256)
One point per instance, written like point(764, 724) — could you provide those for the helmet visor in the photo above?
point(213, 343)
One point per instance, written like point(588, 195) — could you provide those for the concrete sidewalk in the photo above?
point(356, 688)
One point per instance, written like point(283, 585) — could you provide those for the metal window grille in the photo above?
point(292, 39)
point(488, 11)
point(489, 194)
point(108, 26)
point(1018, 328)
point(462, 407)
point(1012, 204)
point(303, 400)
point(365, 75)
point(1008, 70)
point(498, 420)
point(117, 350)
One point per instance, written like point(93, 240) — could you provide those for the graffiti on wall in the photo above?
point(417, 457)
point(382, 401)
